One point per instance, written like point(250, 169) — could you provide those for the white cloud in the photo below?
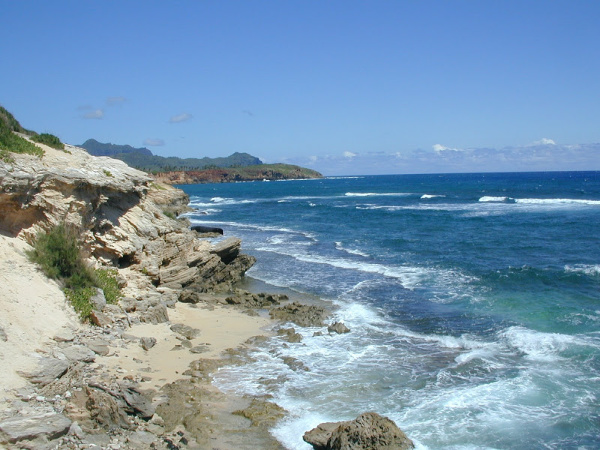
point(438, 148)
point(154, 142)
point(184, 117)
point(94, 114)
point(544, 141)
point(313, 158)
point(349, 155)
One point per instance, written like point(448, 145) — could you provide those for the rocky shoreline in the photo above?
point(139, 376)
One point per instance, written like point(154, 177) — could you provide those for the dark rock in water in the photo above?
point(147, 342)
point(303, 315)
point(49, 425)
point(202, 229)
point(338, 327)
point(290, 335)
point(369, 431)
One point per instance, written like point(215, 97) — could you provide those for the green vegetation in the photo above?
point(12, 143)
point(50, 140)
point(170, 215)
point(107, 173)
point(58, 254)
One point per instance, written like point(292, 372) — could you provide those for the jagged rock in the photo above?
point(155, 314)
point(295, 364)
point(98, 346)
point(246, 299)
point(128, 304)
point(227, 249)
point(49, 425)
point(64, 335)
point(369, 431)
point(98, 300)
point(187, 296)
point(76, 353)
point(303, 315)
point(185, 330)
point(138, 403)
point(147, 342)
point(48, 370)
point(100, 319)
point(104, 410)
point(290, 335)
point(338, 327)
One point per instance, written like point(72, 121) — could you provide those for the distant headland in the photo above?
point(173, 170)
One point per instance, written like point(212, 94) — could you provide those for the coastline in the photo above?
point(225, 332)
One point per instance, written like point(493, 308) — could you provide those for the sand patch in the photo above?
point(33, 309)
point(220, 328)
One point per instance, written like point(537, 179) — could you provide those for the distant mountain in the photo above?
point(96, 148)
point(143, 159)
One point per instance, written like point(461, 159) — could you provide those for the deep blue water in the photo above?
point(473, 301)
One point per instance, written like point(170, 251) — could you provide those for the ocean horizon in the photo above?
point(473, 302)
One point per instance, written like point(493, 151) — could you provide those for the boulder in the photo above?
point(338, 327)
point(100, 319)
point(147, 342)
point(369, 431)
point(48, 370)
point(185, 330)
point(49, 425)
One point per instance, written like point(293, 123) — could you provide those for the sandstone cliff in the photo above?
point(125, 217)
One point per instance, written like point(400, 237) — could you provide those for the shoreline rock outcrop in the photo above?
point(369, 431)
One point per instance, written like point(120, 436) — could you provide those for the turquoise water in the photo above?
point(473, 301)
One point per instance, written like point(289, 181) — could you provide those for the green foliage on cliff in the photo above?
point(12, 143)
point(50, 140)
point(58, 254)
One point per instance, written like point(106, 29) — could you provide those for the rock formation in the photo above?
point(369, 431)
point(125, 218)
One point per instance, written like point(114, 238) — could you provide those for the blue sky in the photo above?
point(345, 87)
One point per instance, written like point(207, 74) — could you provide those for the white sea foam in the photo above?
point(429, 196)
point(490, 199)
point(588, 269)
point(378, 194)
point(352, 251)
point(557, 201)
point(540, 346)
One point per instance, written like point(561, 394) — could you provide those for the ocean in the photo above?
point(473, 302)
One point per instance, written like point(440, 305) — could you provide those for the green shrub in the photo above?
point(170, 215)
point(58, 254)
point(107, 173)
point(106, 280)
point(50, 140)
